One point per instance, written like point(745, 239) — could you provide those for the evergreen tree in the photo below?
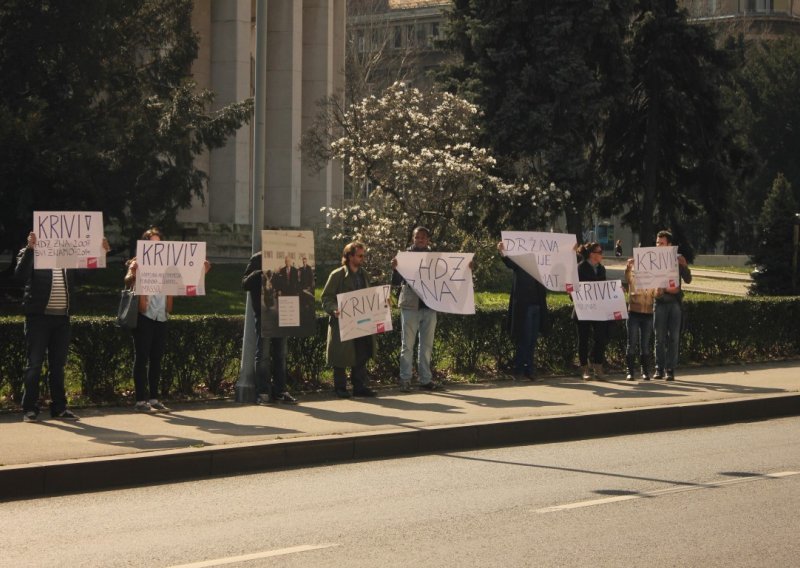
point(98, 112)
point(544, 75)
point(775, 248)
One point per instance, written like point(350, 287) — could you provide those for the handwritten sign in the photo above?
point(173, 268)
point(548, 257)
point(364, 312)
point(599, 301)
point(656, 267)
point(442, 280)
point(69, 239)
point(288, 311)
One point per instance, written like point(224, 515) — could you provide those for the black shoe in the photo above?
point(669, 375)
point(364, 392)
point(431, 386)
point(629, 376)
point(657, 374)
point(284, 398)
point(30, 416)
point(342, 393)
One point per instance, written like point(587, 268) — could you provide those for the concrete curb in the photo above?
point(92, 474)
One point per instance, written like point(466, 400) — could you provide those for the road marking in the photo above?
point(667, 491)
point(254, 556)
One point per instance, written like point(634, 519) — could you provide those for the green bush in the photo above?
point(203, 352)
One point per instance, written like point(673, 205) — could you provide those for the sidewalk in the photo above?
point(117, 447)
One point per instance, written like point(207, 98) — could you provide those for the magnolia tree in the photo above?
point(411, 154)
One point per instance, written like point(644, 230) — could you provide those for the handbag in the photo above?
point(128, 310)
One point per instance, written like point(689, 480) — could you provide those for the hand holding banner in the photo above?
point(364, 312)
point(599, 300)
point(173, 268)
point(69, 239)
point(656, 267)
point(548, 257)
point(443, 280)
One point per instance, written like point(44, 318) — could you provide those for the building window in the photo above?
point(759, 6)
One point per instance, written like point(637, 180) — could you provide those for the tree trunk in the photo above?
point(646, 227)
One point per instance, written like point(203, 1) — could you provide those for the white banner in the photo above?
point(364, 312)
point(548, 257)
point(172, 268)
point(656, 267)
point(69, 239)
point(599, 301)
point(443, 280)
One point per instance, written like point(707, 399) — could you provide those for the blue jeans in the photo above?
point(640, 337)
point(270, 364)
point(50, 335)
point(526, 341)
point(667, 323)
point(415, 323)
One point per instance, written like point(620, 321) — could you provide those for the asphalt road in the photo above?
point(724, 496)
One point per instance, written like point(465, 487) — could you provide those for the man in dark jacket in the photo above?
point(270, 370)
point(46, 302)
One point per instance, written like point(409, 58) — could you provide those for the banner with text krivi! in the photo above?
point(599, 301)
point(443, 280)
point(172, 268)
point(655, 267)
point(364, 312)
point(548, 257)
point(69, 239)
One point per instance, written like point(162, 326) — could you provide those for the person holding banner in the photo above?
point(591, 269)
point(270, 358)
point(640, 326)
point(47, 301)
point(353, 353)
point(149, 336)
point(667, 316)
point(527, 315)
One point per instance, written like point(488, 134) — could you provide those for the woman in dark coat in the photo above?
point(527, 316)
point(591, 269)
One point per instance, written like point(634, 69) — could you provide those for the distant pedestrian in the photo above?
point(618, 248)
point(591, 269)
point(47, 301)
point(270, 355)
point(640, 327)
point(353, 353)
point(668, 315)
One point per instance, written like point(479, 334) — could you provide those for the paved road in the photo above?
point(725, 496)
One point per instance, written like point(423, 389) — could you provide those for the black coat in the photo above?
point(525, 291)
point(38, 283)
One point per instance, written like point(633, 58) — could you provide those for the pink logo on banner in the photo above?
point(191, 290)
point(672, 284)
point(381, 327)
point(91, 262)
point(570, 288)
point(617, 315)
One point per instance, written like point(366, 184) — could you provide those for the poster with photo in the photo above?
point(288, 282)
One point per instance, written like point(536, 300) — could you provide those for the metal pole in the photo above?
point(246, 385)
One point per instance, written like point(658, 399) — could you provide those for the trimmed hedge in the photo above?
point(203, 352)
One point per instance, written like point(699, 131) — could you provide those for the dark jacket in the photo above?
point(525, 291)
point(38, 283)
point(341, 353)
point(251, 282)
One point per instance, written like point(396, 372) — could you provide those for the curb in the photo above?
point(92, 474)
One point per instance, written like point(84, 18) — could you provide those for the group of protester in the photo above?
point(47, 302)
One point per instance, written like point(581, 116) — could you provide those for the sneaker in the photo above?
point(66, 415)
point(657, 375)
point(364, 392)
point(158, 406)
point(431, 386)
point(263, 399)
point(284, 398)
point(669, 375)
point(629, 376)
point(587, 373)
point(30, 416)
point(342, 393)
point(405, 386)
point(142, 406)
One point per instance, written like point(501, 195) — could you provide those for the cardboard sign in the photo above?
point(548, 257)
point(68, 239)
point(443, 280)
point(364, 312)
point(599, 301)
point(172, 268)
point(656, 267)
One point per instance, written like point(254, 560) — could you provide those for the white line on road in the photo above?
point(254, 556)
point(667, 491)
